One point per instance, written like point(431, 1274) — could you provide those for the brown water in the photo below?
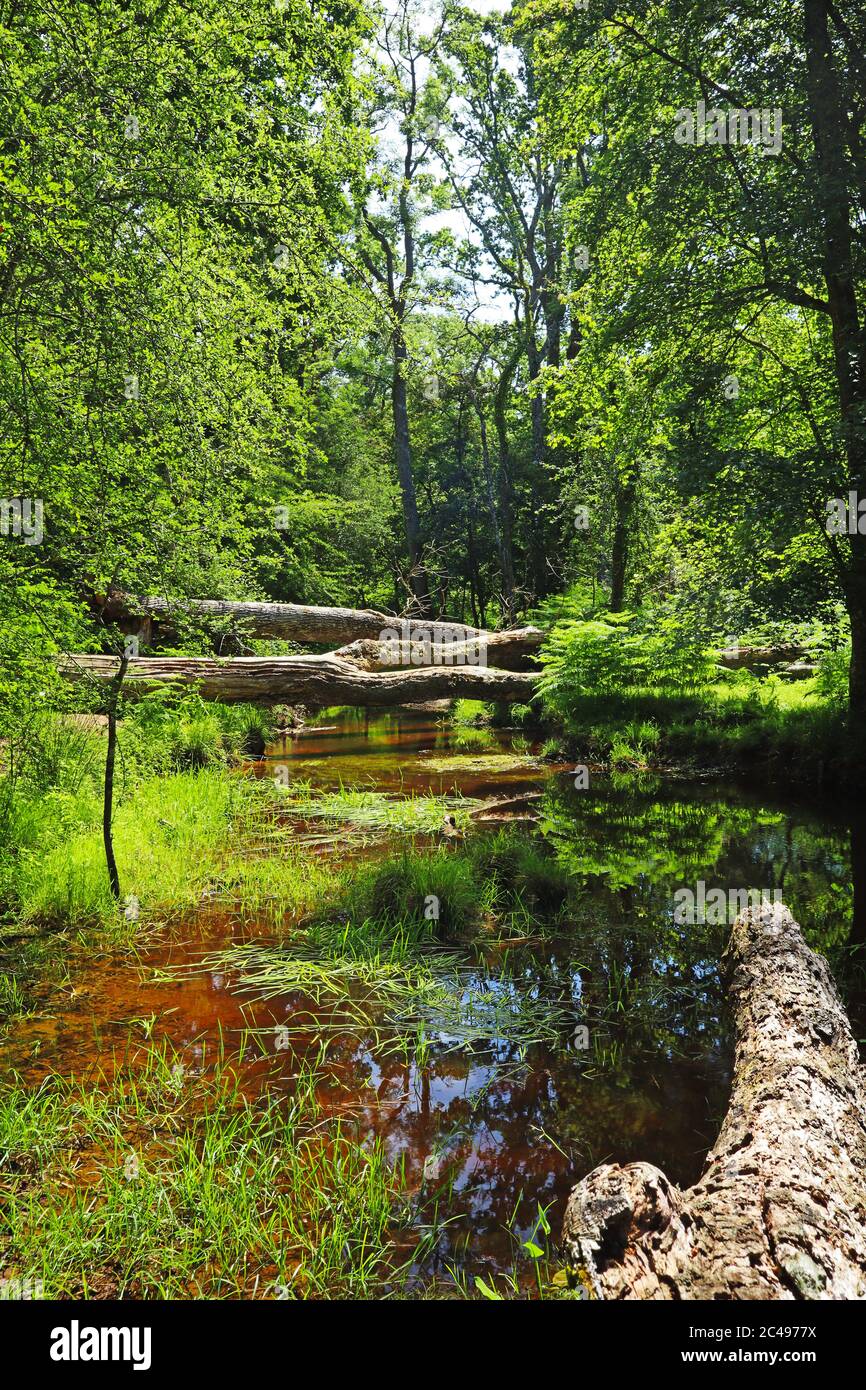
point(503, 1130)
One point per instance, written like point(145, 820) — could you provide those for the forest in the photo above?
point(432, 651)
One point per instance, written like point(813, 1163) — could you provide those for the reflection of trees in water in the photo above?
point(653, 1084)
point(623, 837)
point(641, 1089)
point(628, 837)
point(497, 1130)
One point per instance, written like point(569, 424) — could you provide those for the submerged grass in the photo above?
point(373, 810)
point(379, 959)
point(398, 999)
point(501, 761)
point(163, 1184)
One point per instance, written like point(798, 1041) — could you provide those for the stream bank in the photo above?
point(597, 1029)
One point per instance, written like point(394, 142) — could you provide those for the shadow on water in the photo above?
point(491, 1131)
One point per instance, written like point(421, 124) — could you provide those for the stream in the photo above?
point(490, 1134)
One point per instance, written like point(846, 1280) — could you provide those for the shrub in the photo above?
point(620, 657)
point(831, 682)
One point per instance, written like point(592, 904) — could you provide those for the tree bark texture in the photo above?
point(780, 1209)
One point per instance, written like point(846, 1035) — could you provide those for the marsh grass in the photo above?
point(795, 730)
point(468, 738)
point(175, 809)
point(397, 999)
point(164, 733)
point(469, 714)
point(364, 810)
point(158, 1183)
point(382, 958)
point(535, 1267)
point(502, 760)
point(168, 835)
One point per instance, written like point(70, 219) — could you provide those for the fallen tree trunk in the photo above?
point(315, 681)
point(297, 622)
point(740, 658)
point(507, 651)
point(780, 1209)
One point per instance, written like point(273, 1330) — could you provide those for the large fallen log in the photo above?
point(314, 681)
point(780, 1209)
point(507, 651)
point(297, 622)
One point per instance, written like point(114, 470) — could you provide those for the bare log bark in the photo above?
point(310, 680)
point(507, 651)
point(304, 623)
point(780, 1209)
point(738, 658)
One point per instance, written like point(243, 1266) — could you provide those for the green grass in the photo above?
point(372, 810)
point(168, 830)
point(507, 883)
point(634, 744)
point(185, 835)
point(480, 714)
point(175, 735)
point(163, 1184)
point(638, 689)
point(276, 887)
point(406, 889)
point(787, 729)
point(390, 953)
point(469, 713)
point(466, 738)
point(169, 835)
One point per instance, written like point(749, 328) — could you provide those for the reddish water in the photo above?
point(502, 1132)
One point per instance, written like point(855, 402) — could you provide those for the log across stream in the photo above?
point(314, 681)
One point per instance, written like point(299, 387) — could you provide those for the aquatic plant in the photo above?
point(164, 1181)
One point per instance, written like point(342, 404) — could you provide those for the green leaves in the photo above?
point(620, 656)
point(150, 351)
point(487, 1290)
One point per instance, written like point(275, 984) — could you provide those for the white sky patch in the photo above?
point(492, 304)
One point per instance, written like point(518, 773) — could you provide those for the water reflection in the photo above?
point(496, 1130)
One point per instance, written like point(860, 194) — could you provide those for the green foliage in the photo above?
point(619, 658)
point(168, 836)
point(831, 682)
point(402, 890)
point(188, 1169)
point(176, 732)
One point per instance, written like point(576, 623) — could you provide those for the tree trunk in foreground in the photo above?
point(780, 1210)
point(315, 681)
